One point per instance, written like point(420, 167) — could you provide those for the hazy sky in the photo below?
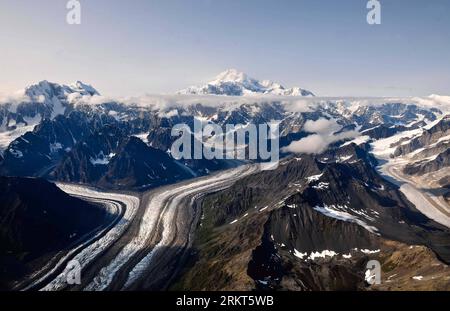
point(144, 46)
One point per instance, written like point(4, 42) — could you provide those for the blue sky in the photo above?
point(159, 46)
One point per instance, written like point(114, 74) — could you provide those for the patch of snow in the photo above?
point(444, 138)
point(262, 282)
point(382, 147)
point(362, 213)
point(101, 159)
point(391, 276)
point(321, 186)
point(143, 137)
point(7, 137)
point(358, 140)
point(344, 158)
point(368, 251)
point(299, 254)
point(322, 254)
point(369, 129)
point(313, 178)
point(331, 211)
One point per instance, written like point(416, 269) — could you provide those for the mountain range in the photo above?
point(359, 179)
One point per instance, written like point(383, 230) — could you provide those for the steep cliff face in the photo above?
point(138, 165)
point(37, 220)
point(39, 151)
point(87, 161)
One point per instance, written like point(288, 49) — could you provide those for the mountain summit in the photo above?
point(235, 83)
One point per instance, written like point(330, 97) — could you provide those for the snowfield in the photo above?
point(428, 204)
point(422, 203)
point(7, 137)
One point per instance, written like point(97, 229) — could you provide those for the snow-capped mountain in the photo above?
point(235, 83)
point(49, 90)
point(52, 99)
point(44, 100)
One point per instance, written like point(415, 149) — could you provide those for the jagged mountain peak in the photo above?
point(50, 89)
point(233, 82)
point(39, 101)
point(232, 75)
point(81, 87)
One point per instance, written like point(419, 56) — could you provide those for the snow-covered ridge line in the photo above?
point(82, 94)
point(47, 94)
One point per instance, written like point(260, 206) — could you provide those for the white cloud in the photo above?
point(298, 105)
point(322, 125)
point(311, 144)
point(434, 101)
point(13, 100)
point(324, 130)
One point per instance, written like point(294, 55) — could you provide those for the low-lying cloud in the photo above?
point(324, 134)
point(321, 126)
